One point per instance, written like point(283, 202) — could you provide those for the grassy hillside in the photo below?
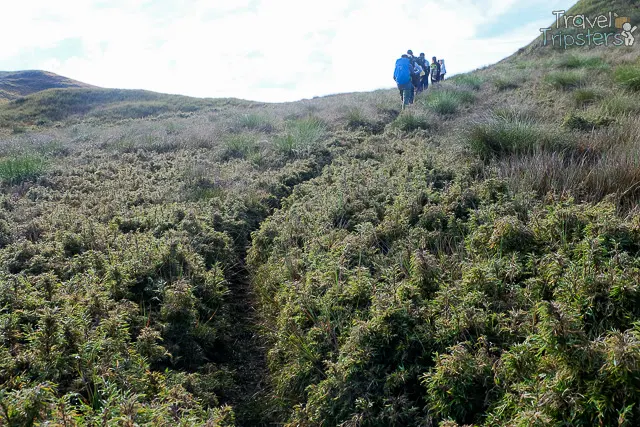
point(62, 105)
point(16, 84)
point(472, 260)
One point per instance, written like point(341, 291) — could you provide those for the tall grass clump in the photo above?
point(499, 137)
point(565, 80)
point(584, 96)
point(508, 80)
point(615, 172)
point(573, 61)
point(620, 104)
point(467, 80)
point(255, 122)
point(356, 118)
point(301, 136)
point(628, 76)
point(240, 145)
point(17, 169)
point(585, 122)
point(447, 101)
point(409, 121)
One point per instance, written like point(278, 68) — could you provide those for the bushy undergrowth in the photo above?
point(452, 302)
point(330, 262)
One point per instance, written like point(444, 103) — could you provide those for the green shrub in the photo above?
point(17, 169)
point(628, 76)
point(565, 80)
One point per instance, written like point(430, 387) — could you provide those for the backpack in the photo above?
point(403, 71)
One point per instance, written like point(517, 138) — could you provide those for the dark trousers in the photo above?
point(406, 93)
point(415, 81)
point(435, 78)
point(424, 82)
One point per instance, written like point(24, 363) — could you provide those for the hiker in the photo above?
point(424, 81)
point(402, 76)
point(416, 76)
point(435, 70)
point(443, 70)
point(411, 57)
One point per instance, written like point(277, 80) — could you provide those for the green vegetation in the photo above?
point(409, 121)
point(16, 169)
point(448, 101)
point(581, 61)
point(584, 122)
point(472, 259)
point(300, 137)
point(500, 137)
point(584, 96)
point(255, 122)
point(468, 80)
point(621, 104)
point(109, 104)
point(629, 76)
point(565, 80)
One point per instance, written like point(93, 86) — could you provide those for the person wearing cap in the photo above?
point(402, 76)
point(435, 70)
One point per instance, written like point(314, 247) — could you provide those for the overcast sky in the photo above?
point(265, 50)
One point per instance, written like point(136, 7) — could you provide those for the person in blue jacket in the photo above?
point(402, 76)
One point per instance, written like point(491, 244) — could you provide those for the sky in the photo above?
point(262, 50)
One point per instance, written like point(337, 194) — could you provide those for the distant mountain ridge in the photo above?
point(16, 84)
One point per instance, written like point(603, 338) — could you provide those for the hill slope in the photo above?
point(15, 84)
point(471, 260)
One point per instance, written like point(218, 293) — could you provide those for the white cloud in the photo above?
point(271, 50)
